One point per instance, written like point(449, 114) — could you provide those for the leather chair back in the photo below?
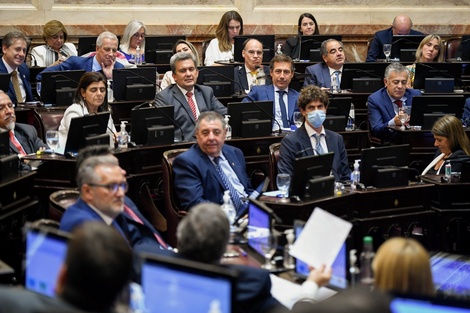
point(48, 119)
point(273, 159)
point(451, 47)
point(59, 201)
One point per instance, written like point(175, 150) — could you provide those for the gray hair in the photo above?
point(105, 35)
point(209, 116)
point(324, 50)
point(395, 67)
point(133, 27)
point(181, 56)
point(13, 36)
point(87, 171)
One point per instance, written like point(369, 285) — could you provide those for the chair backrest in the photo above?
point(205, 44)
point(59, 201)
point(172, 205)
point(273, 158)
point(48, 119)
point(150, 210)
point(451, 47)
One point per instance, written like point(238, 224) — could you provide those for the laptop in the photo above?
point(46, 249)
point(451, 274)
point(260, 220)
point(415, 304)
point(176, 285)
point(340, 274)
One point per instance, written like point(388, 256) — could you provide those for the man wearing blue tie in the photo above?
point(284, 98)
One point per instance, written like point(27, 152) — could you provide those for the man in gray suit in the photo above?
point(188, 99)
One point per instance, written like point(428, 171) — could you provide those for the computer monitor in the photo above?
point(426, 109)
point(4, 143)
point(250, 119)
point(159, 49)
point(310, 46)
point(5, 79)
point(339, 106)
point(385, 166)
point(268, 46)
point(46, 249)
point(153, 125)
point(363, 77)
point(437, 77)
point(405, 303)
point(307, 168)
point(87, 130)
point(58, 87)
point(177, 285)
point(465, 46)
point(86, 44)
point(134, 84)
point(340, 267)
point(219, 78)
point(260, 223)
point(404, 47)
point(451, 274)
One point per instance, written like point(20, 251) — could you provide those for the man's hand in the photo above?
point(108, 70)
point(321, 276)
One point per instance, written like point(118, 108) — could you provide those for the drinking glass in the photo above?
point(38, 88)
point(298, 119)
point(387, 51)
point(268, 245)
point(283, 184)
point(403, 116)
point(52, 139)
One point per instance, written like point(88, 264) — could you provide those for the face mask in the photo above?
point(316, 118)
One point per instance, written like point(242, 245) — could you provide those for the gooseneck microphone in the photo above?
point(238, 94)
point(171, 118)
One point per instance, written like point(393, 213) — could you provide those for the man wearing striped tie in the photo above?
point(210, 167)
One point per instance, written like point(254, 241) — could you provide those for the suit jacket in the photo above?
point(239, 76)
point(380, 111)
point(299, 140)
point(292, 47)
point(266, 92)
point(196, 179)
point(380, 38)
point(74, 63)
point(466, 112)
point(23, 71)
point(318, 75)
point(28, 138)
point(140, 237)
point(184, 118)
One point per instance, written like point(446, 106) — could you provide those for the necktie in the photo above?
point(138, 220)
point(337, 78)
point(16, 86)
point(17, 143)
point(285, 120)
point(254, 74)
point(399, 103)
point(228, 185)
point(318, 147)
point(191, 103)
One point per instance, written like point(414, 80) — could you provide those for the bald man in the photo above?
point(401, 25)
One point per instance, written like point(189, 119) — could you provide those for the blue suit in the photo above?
point(299, 141)
point(318, 75)
point(239, 76)
point(197, 180)
point(266, 92)
point(380, 38)
point(23, 72)
point(380, 111)
point(74, 63)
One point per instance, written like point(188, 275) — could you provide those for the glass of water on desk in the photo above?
point(52, 139)
point(283, 184)
point(403, 115)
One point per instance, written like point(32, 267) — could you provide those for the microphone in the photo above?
point(271, 116)
point(171, 118)
point(444, 72)
point(238, 94)
point(107, 126)
point(66, 77)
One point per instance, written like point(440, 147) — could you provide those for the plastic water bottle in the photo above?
point(123, 137)
point(350, 126)
point(334, 84)
point(228, 128)
point(353, 269)
point(448, 170)
point(137, 299)
point(110, 92)
point(279, 49)
point(289, 259)
point(355, 175)
point(367, 256)
point(138, 56)
point(229, 208)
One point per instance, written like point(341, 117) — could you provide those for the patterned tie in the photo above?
point(136, 218)
point(254, 74)
point(16, 86)
point(16, 143)
point(282, 104)
point(399, 103)
point(337, 77)
point(191, 103)
point(318, 147)
point(228, 185)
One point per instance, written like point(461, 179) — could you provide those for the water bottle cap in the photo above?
point(367, 239)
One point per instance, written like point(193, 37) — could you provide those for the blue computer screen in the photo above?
point(259, 226)
point(451, 274)
point(408, 305)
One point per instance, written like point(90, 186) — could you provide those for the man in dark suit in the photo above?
point(104, 61)
point(188, 99)
point(97, 267)
point(14, 45)
point(281, 70)
point(313, 103)
point(322, 74)
point(252, 72)
point(196, 176)
point(103, 185)
point(383, 104)
point(401, 26)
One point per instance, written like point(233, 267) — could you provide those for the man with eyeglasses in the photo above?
point(102, 184)
point(281, 69)
point(103, 61)
point(326, 73)
point(252, 73)
point(401, 25)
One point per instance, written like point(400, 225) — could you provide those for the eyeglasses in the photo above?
point(137, 35)
point(113, 187)
point(253, 52)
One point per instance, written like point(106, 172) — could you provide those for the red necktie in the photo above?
point(399, 103)
point(189, 94)
point(17, 143)
point(134, 216)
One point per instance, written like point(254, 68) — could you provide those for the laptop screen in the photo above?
point(259, 224)
point(405, 304)
point(176, 285)
point(45, 252)
point(451, 274)
point(339, 276)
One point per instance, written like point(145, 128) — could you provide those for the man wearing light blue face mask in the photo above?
point(312, 138)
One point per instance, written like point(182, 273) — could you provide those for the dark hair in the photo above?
point(310, 16)
point(209, 116)
point(311, 93)
point(281, 58)
point(11, 37)
point(99, 264)
point(324, 50)
point(89, 151)
point(86, 80)
point(221, 31)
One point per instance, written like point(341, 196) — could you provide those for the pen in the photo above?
point(243, 252)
